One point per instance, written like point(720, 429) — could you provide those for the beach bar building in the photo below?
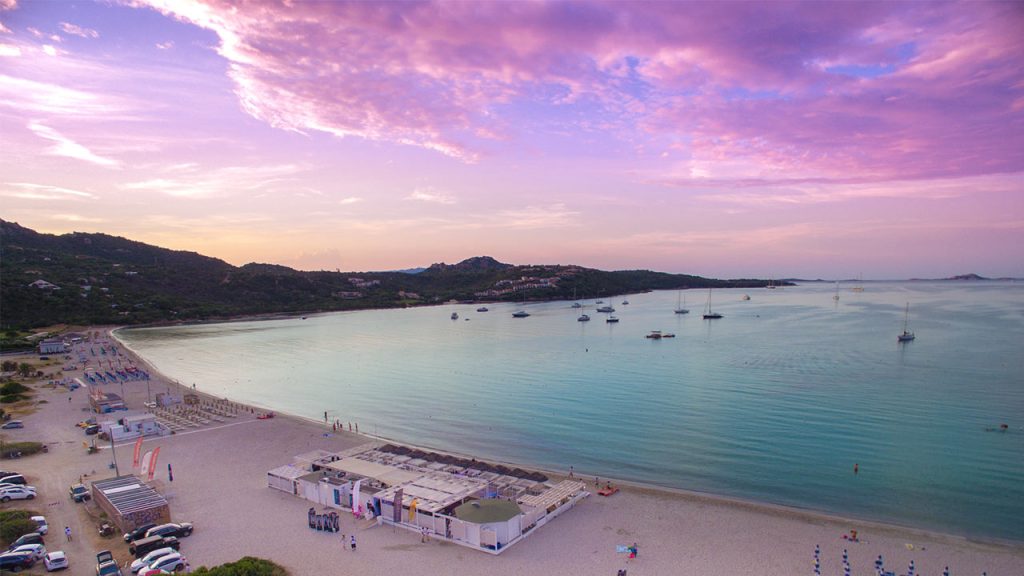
point(133, 426)
point(104, 402)
point(485, 511)
point(130, 502)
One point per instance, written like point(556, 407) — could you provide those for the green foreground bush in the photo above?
point(247, 566)
point(14, 523)
point(26, 448)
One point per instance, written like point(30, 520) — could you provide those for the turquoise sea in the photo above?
point(775, 402)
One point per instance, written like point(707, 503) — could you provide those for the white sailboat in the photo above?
point(708, 314)
point(859, 287)
point(681, 304)
point(907, 335)
point(575, 304)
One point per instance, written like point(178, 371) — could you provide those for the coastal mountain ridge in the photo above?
point(95, 278)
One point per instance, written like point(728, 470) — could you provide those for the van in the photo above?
point(143, 546)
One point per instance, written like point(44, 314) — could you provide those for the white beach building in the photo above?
point(483, 510)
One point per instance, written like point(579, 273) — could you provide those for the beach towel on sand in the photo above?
point(621, 549)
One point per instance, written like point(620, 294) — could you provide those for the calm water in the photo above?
point(775, 402)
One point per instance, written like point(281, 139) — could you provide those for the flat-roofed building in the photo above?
point(130, 502)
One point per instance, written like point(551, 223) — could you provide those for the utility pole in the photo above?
point(113, 453)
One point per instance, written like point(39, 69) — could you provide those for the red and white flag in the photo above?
point(137, 453)
point(146, 463)
point(152, 464)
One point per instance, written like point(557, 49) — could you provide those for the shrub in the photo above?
point(247, 566)
point(13, 388)
point(11, 398)
point(26, 448)
point(13, 529)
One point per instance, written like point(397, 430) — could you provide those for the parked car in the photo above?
point(36, 550)
point(16, 561)
point(152, 572)
point(144, 546)
point(55, 561)
point(30, 538)
point(109, 568)
point(79, 493)
point(6, 473)
point(173, 562)
point(13, 479)
point(106, 566)
point(17, 493)
point(12, 424)
point(149, 558)
point(179, 530)
point(139, 532)
point(41, 526)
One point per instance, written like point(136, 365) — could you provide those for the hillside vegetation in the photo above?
point(85, 279)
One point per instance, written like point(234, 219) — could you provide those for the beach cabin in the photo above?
point(104, 402)
point(285, 478)
point(52, 346)
point(130, 502)
point(133, 426)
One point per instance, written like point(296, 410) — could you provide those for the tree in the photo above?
point(25, 369)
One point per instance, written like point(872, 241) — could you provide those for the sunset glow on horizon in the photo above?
point(761, 139)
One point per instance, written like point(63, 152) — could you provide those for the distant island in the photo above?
point(89, 279)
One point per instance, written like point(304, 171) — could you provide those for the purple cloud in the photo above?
point(807, 90)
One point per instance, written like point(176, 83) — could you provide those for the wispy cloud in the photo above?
point(165, 45)
point(79, 30)
point(431, 194)
point(67, 147)
point(350, 200)
point(192, 181)
point(9, 50)
point(31, 191)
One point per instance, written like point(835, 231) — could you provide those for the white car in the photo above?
point(17, 493)
point(172, 562)
point(55, 561)
point(41, 525)
point(36, 550)
point(150, 558)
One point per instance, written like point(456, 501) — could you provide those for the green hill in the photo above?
point(83, 278)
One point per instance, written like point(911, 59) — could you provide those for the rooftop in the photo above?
point(486, 511)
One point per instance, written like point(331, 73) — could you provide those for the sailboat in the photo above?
point(836, 297)
point(575, 304)
point(680, 303)
point(907, 335)
point(708, 314)
point(859, 287)
point(771, 284)
point(521, 313)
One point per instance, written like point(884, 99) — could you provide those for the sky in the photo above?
point(725, 139)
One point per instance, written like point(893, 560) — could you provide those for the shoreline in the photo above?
point(756, 506)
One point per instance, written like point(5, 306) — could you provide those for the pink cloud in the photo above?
point(869, 91)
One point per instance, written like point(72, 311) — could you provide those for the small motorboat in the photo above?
point(606, 309)
point(625, 302)
point(482, 309)
point(583, 318)
point(455, 315)
point(611, 320)
point(654, 335)
point(520, 314)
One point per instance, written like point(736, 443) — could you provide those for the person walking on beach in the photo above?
point(353, 542)
point(67, 533)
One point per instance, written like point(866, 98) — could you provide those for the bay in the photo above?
point(774, 403)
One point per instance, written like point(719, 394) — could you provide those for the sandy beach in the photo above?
point(220, 485)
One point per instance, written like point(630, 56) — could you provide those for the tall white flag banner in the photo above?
point(355, 496)
point(146, 463)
